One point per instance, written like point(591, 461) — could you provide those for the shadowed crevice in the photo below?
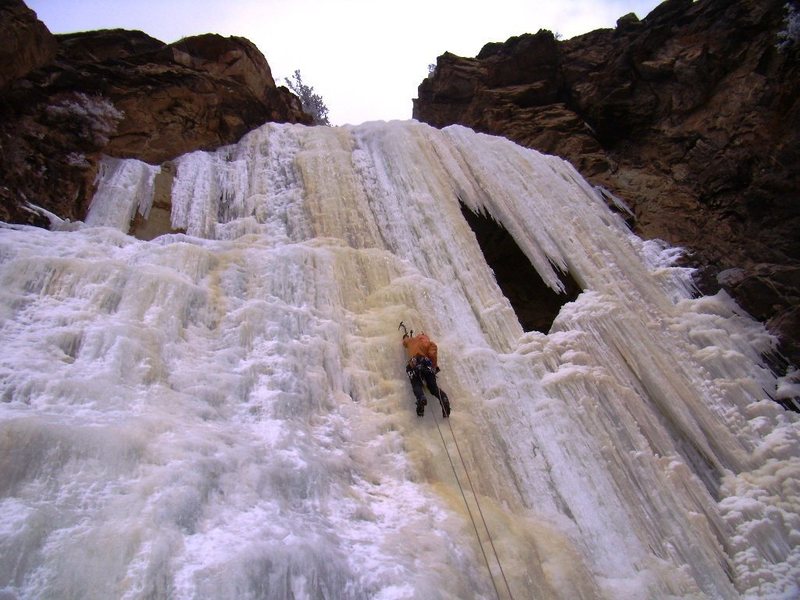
point(535, 304)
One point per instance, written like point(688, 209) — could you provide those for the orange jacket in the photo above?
point(422, 344)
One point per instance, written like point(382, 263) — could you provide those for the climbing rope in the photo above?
point(469, 510)
point(477, 503)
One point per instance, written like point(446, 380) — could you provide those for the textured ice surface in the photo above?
point(225, 414)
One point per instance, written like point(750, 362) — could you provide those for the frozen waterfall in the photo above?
point(225, 414)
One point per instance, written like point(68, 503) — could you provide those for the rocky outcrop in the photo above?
point(690, 115)
point(27, 44)
point(124, 94)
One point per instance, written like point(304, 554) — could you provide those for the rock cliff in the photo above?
point(27, 44)
point(690, 115)
point(67, 99)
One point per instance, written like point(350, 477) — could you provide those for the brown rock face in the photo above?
point(27, 44)
point(120, 93)
point(690, 115)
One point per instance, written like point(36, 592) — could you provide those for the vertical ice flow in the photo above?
point(225, 414)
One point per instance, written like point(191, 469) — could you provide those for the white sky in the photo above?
point(364, 57)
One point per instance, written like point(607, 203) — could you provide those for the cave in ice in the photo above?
point(225, 414)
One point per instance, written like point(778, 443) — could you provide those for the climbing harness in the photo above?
point(477, 503)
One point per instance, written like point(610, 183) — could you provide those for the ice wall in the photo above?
point(225, 414)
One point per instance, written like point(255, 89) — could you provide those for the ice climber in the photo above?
point(421, 368)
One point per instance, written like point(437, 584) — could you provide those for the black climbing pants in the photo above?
point(422, 373)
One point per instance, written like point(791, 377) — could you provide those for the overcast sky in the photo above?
point(364, 57)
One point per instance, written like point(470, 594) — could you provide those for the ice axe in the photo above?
point(405, 331)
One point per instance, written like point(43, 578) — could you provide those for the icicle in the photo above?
point(123, 187)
